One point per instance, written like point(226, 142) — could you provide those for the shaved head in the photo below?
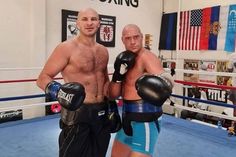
point(130, 26)
point(87, 11)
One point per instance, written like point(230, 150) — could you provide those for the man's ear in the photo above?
point(142, 35)
point(99, 23)
point(122, 39)
point(77, 24)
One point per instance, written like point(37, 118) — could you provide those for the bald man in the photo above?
point(83, 65)
point(141, 81)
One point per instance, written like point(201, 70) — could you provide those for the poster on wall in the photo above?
point(69, 28)
point(222, 66)
point(105, 34)
point(210, 66)
point(191, 65)
point(224, 80)
point(207, 65)
point(204, 78)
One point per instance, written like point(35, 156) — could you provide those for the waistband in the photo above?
point(87, 113)
point(97, 103)
point(140, 106)
point(95, 106)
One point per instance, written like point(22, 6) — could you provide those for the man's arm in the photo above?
point(55, 63)
point(124, 61)
point(156, 85)
point(152, 64)
point(106, 84)
point(114, 90)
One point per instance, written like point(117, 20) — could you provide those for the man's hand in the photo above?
point(69, 95)
point(124, 61)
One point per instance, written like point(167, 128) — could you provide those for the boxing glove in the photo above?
point(52, 89)
point(69, 95)
point(154, 89)
point(113, 117)
point(124, 61)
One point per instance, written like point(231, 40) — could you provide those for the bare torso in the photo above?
point(88, 66)
point(146, 62)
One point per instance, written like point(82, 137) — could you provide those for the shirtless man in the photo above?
point(85, 115)
point(144, 86)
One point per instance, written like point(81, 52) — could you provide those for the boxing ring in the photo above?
point(38, 137)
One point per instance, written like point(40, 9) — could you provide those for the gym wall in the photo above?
point(180, 55)
point(31, 29)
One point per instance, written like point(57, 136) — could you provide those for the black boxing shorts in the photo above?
point(84, 133)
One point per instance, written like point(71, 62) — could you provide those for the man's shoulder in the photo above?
point(101, 48)
point(64, 47)
point(66, 43)
point(148, 55)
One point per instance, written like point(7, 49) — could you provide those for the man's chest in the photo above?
point(89, 61)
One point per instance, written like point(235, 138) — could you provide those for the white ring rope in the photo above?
point(202, 72)
point(23, 68)
point(205, 112)
point(3, 109)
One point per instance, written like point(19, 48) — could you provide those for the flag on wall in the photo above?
point(223, 16)
point(231, 29)
point(210, 28)
point(190, 29)
point(168, 32)
point(204, 38)
point(214, 28)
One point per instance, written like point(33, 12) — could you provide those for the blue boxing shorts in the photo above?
point(144, 134)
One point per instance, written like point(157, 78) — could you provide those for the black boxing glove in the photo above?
point(69, 95)
point(113, 117)
point(154, 89)
point(124, 61)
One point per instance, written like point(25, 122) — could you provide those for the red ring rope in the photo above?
point(177, 81)
point(29, 80)
point(205, 85)
point(25, 80)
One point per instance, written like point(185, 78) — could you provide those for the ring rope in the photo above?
point(174, 95)
point(205, 85)
point(205, 112)
point(29, 80)
point(11, 69)
point(202, 72)
point(205, 101)
point(3, 109)
point(24, 80)
point(22, 97)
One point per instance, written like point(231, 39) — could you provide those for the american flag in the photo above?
point(190, 28)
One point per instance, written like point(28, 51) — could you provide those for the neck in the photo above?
point(140, 51)
point(88, 41)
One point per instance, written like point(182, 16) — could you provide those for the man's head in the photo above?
point(132, 37)
point(88, 22)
